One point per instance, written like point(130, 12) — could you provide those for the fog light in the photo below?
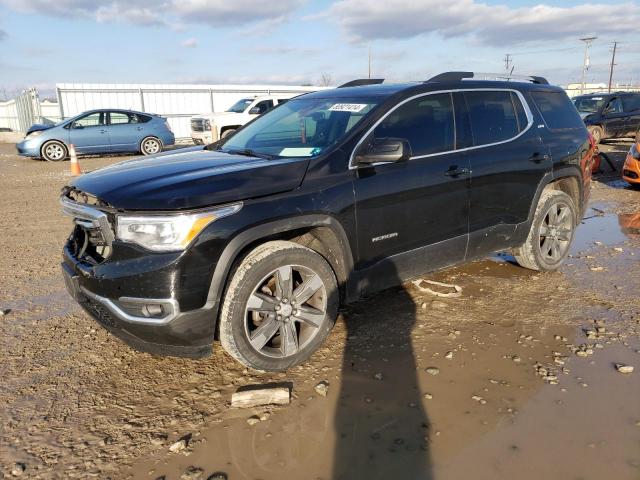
point(152, 310)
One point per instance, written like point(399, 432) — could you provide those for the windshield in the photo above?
point(240, 106)
point(301, 127)
point(589, 104)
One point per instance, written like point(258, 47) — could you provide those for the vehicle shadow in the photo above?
point(382, 430)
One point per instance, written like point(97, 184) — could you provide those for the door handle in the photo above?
point(139, 128)
point(103, 131)
point(539, 157)
point(456, 172)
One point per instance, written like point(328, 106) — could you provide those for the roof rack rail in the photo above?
point(459, 76)
point(362, 82)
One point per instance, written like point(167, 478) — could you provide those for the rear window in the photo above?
point(631, 103)
point(557, 110)
point(495, 116)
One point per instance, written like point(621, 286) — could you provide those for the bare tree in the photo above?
point(325, 80)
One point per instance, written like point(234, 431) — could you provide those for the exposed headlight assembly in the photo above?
point(168, 233)
point(34, 134)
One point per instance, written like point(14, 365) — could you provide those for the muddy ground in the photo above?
point(520, 391)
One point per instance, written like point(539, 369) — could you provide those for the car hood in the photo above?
point(191, 179)
point(36, 127)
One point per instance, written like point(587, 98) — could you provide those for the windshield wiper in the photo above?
point(247, 152)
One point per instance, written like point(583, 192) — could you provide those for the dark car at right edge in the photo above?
point(257, 239)
point(610, 115)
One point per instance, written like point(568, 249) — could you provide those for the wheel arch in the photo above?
point(567, 180)
point(322, 233)
point(229, 127)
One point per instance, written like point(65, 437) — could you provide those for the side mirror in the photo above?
point(254, 111)
point(384, 150)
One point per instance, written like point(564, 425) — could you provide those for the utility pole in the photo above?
point(613, 62)
point(585, 65)
point(507, 62)
point(369, 61)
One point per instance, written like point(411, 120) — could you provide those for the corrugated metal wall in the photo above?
point(175, 102)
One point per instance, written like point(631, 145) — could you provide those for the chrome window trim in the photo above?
point(85, 216)
point(519, 94)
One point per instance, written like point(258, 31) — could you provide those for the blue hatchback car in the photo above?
point(98, 131)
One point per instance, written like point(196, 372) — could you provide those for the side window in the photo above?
point(493, 116)
point(614, 106)
point(426, 122)
point(264, 106)
point(557, 110)
point(119, 118)
point(141, 118)
point(92, 120)
point(631, 103)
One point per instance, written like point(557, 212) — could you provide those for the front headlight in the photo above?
point(207, 125)
point(34, 134)
point(167, 233)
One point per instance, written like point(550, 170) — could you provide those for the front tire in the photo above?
point(150, 146)
point(229, 131)
point(54, 151)
point(551, 233)
point(279, 306)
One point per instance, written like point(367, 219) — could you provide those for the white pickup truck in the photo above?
point(209, 127)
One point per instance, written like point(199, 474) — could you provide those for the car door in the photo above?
point(412, 215)
point(508, 160)
point(125, 133)
point(89, 134)
point(631, 108)
point(613, 118)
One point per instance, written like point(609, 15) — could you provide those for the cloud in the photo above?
point(189, 43)
point(496, 25)
point(3, 35)
point(171, 13)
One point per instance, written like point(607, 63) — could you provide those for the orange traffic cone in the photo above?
point(75, 166)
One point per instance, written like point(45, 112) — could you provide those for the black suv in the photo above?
point(258, 238)
point(610, 115)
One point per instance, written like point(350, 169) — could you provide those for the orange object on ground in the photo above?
point(631, 168)
point(75, 166)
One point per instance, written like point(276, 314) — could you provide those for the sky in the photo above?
point(298, 41)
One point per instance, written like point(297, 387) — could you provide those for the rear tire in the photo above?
point(150, 146)
point(54, 151)
point(597, 133)
point(279, 306)
point(551, 233)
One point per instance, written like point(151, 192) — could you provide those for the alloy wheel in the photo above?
point(285, 311)
point(54, 151)
point(151, 146)
point(556, 232)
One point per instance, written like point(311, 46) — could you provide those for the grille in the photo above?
point(100, 313)
point(90, 240)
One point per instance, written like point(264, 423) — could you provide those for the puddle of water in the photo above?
point(609, 229)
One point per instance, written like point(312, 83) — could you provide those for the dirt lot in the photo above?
point(502, 382)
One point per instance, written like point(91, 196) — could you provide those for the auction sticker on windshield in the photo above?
point(347, 107)
point(299, 151)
